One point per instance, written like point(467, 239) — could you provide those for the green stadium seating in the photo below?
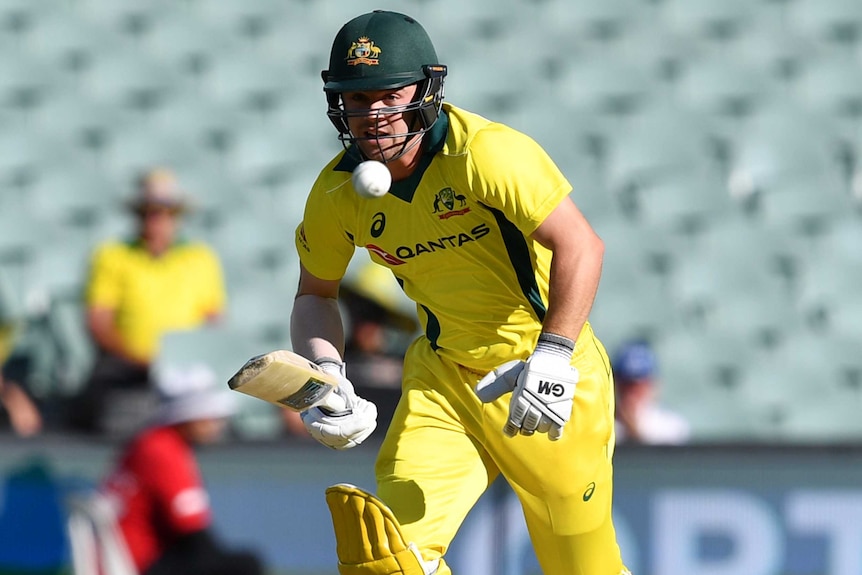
point(714, 147)
point(835, 21)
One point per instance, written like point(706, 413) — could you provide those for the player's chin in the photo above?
point(382, 150)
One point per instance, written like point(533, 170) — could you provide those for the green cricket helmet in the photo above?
point(383, 50)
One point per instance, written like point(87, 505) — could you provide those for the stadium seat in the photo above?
point(263, 154)
point(140, 146)
point(699, 374)
point(252, 240)
point(196, 119)
point(80, 123)
point(245, 18)
point(640, 310)
point(23, 11)
point(804, 204)
point(684, 202)
point(714, 85)
point(63, 38)
point(719, 266)
point(76, 351)
point(594, 81)
point(472, 84)
point(246, 79)
point(823, 419)
point(593, 20)
point(845, 317)
point(835, 21)
point(767, 46)
point(651, 46)
point(700, 359)
point(213, 192)
point(804, 366)
point(841, 238)
point(717, 417)
point(589, 193)
point(128, 17)
point(59, 267)
point(782, 142)
point(70, 196)
point(129, 79)
point(26, 80)
point(262, 310)
point(221, 348)
point(831, 84)
point(826, 283)
point(632, 248)
point(183, 43)
point(705, 19)
point(20, 236)
point(665, 140)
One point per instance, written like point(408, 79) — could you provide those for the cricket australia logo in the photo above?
point(363, 51)
point(444, 204)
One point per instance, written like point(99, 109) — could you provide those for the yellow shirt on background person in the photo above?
point(152, 295)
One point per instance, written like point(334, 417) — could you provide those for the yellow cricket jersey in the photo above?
point(455, 235)
point(152, 295)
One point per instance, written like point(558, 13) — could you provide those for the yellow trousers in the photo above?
point(444, 448)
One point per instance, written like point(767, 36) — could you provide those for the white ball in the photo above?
point(371, 179)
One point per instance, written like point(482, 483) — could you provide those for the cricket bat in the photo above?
point(288, 380)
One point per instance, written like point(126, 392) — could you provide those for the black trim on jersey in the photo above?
point(406, 189)
point(519, 255)
point(432, 328)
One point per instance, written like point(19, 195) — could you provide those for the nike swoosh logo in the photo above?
point(591, 488)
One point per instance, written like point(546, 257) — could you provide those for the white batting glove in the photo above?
point(543, 388)
point(344, 429)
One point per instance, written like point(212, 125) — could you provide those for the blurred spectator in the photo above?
point(162, 504)
point(20, 409)
point(640, 417)
point(137, 291)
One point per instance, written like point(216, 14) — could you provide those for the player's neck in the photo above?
point(406, 164)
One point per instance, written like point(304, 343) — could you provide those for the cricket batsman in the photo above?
point(507, 377)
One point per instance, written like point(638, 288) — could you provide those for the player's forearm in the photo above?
point(106, 336)
point(574, 281)
point(316, 329)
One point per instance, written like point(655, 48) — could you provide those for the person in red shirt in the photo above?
point(163, 506)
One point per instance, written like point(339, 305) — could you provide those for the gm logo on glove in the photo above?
point(551, 388)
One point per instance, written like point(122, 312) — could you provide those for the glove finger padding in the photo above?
point(342, 431)
point(368, 537)
point(500, 381)
point(531, 421)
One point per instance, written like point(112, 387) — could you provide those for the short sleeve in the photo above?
point(515, 175)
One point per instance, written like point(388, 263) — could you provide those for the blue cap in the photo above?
point(635, 360)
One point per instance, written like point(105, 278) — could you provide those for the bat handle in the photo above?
point(333, 404)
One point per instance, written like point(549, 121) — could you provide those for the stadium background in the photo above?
point(714, 145)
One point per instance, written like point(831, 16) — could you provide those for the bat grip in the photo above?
point(333, 404)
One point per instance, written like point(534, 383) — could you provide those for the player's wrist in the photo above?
point(330, 365)
point(555, 345)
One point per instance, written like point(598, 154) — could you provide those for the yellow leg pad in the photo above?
point(368, 537)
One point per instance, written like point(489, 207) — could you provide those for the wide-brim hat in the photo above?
point(159, 188)
point(191, 393)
